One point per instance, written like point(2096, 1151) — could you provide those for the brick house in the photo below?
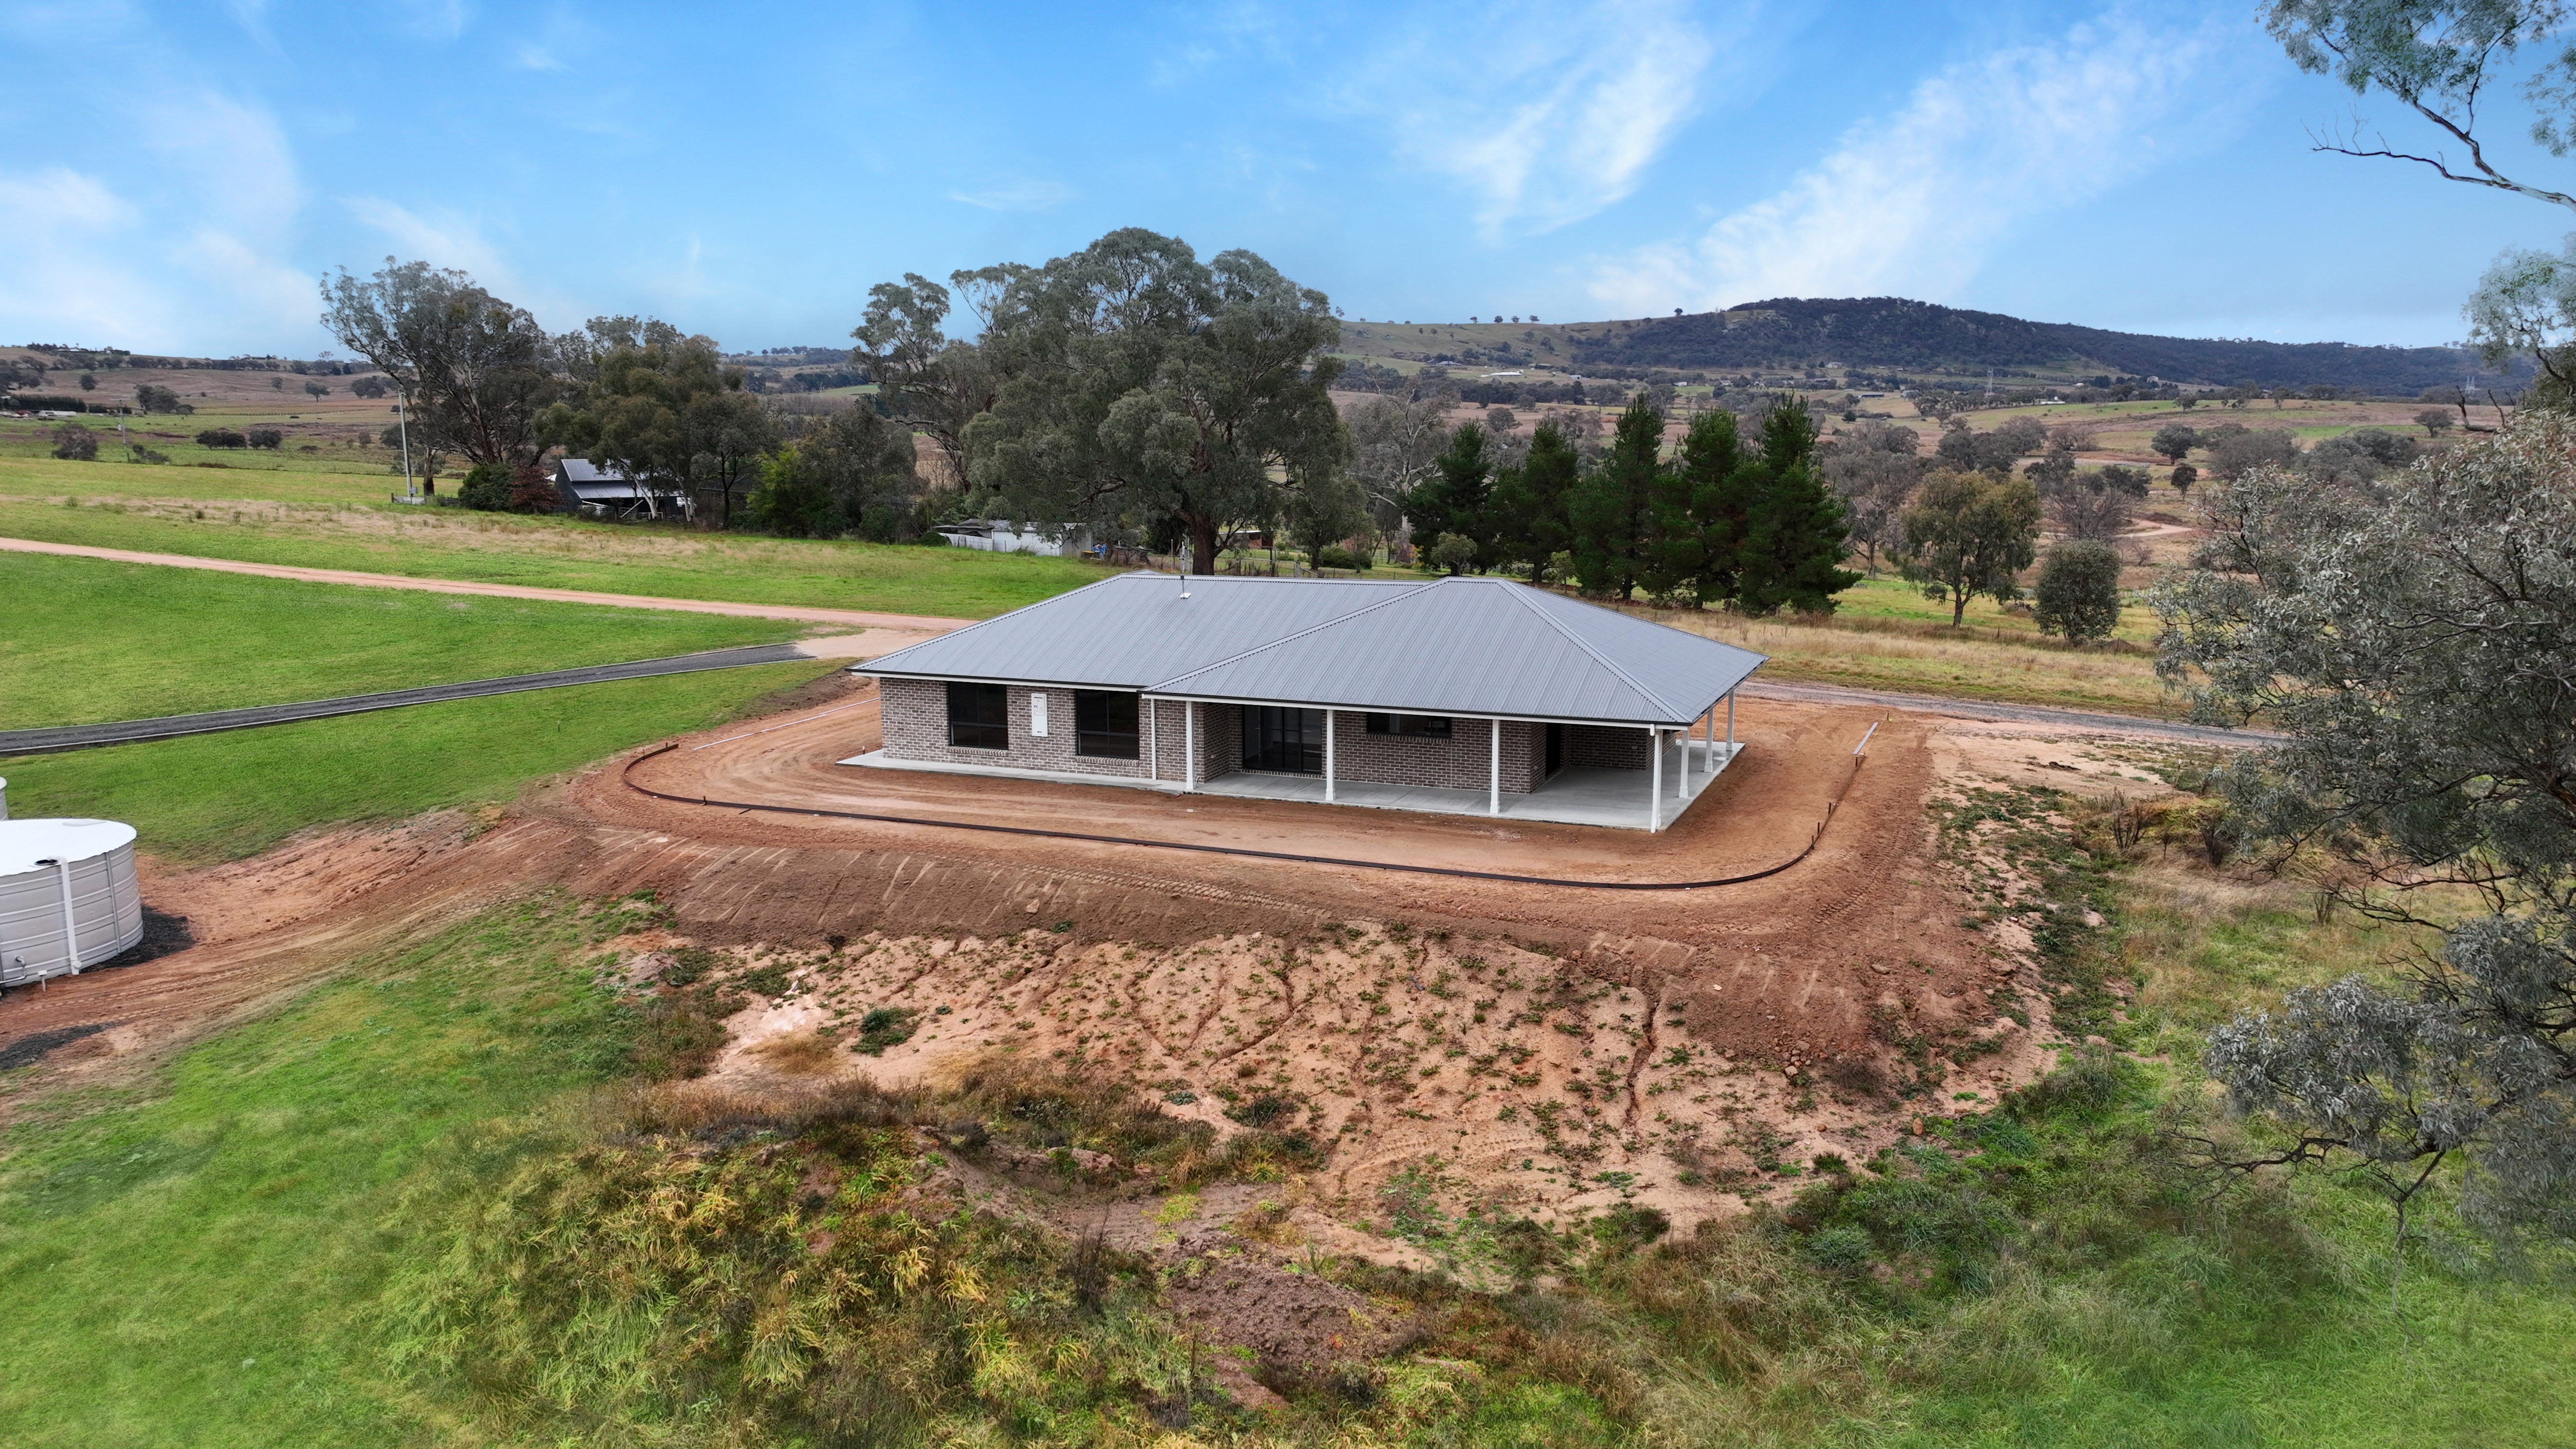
point(1462, 695)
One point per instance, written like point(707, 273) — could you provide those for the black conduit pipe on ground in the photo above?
point(1815, 839)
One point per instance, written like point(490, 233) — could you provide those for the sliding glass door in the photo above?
point(1283, 741)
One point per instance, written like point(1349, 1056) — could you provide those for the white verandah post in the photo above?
point(1730, 723)
point(1494, 781)
point(1189, 745)
point(1654, 779)
point(1328, 755)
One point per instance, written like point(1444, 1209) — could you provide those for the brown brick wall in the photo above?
point(1606, 747)
point(1461, 762)
point(915, 714)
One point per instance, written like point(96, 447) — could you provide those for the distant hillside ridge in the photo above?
point(1896, 333)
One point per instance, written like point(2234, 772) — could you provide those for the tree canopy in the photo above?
point(2414, 638)
point(476, 369)
point(1137, 382)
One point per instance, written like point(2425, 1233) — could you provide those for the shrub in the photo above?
point(269, 438)
point(884, 1027)
point(221, 438)
point(486, 486)
point(76, 443)
point(1334, 556)
point(2079, 591)
point(153, 399)
point(369, 387)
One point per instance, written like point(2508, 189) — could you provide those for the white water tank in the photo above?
point(68, 897)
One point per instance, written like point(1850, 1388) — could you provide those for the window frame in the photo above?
point(1087, 703)
point(1424, 726)
point(967, 728)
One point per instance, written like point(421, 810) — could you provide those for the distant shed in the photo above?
point(587, 488)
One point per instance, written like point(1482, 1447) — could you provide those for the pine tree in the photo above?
point(1720, 480)
point(1612, 510)
point(1794, 533)
point(1530, 501)
point(1455, 501)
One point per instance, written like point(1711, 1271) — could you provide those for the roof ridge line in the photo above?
point(1596, 655)
point(1163, 684)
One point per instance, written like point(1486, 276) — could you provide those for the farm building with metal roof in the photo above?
point(1459, 695)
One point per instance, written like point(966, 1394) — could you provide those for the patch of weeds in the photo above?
point(1266, 1109)
point(1465, 1246)
point(884, 1027)
point(770, 980)
point(689, 965)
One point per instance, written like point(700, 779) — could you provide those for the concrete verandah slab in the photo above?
point(1577, 795)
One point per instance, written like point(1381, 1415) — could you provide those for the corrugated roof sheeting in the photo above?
point(1135, 631)
point(1487, 646)
point(1453, 646)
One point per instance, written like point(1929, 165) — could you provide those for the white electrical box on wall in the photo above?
point(1037, 715)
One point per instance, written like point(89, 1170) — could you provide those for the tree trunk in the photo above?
point(1202, 542)
point(1958, 606)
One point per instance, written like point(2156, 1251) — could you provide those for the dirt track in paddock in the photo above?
point(1402, 1018)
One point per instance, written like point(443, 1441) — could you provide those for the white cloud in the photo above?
point(1914, 202)
point(66, 284)
point(443, 239)
point(1548, 113)
point(537, 57)
point(434, 19)
point(1018, 196)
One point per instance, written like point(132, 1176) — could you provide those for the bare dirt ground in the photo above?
point(1541, 1050)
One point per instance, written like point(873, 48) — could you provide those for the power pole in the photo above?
point(402, 420)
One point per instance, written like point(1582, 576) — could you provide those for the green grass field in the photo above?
point(220, 797)
point(91, 640)
point(198, 1257)
point(188, 1263)
point(563, 553)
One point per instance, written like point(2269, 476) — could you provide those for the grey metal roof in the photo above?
point(1452, 646)
point(582, 470)
point(1135, 630)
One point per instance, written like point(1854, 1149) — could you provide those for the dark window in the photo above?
point(1421, 726)
point(979, 716)
point(1104, 724)
point(1288, 741)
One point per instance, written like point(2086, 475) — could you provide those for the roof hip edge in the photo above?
point(1598, 657)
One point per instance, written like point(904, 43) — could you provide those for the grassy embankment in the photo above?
point(91, 640)
point(559, 553)
point(218, 797)
point(99, 640)
point(253, 1246)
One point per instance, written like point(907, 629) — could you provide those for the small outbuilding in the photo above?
point(587, 488)
point(1460, 695)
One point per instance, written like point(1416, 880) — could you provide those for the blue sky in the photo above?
point(179, 176)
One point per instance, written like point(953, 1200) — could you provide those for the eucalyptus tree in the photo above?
point(2413, 637)
point(1393, 443)
point(1967, 534)
point(661, 407)
point(1140, 382)
point(476, 370)
point(931, 380)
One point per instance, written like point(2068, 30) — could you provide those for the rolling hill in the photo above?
point(1895, 335)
